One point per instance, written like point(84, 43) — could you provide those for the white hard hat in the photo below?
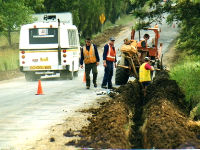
point(147, 59)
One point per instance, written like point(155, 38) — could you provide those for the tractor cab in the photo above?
point(151, 48)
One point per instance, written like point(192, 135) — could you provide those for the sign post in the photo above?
point(102, 19)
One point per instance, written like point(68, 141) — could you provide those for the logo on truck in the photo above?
point(44, 59)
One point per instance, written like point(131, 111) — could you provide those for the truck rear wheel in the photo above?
point(68, 75)
point(31, 76)
point(121, 76)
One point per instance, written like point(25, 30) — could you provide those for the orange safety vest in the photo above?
point(144, 75)
point(139, 44)
point(89, 56)
point(111, 54)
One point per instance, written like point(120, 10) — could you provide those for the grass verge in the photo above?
point(9, 59)
point(186, 73)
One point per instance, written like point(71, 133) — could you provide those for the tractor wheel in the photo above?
point(121, 76)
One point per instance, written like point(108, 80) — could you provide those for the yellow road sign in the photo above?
point(102, 18)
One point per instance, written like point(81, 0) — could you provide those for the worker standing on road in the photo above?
point(90, 56)
point(145, 73)
point(109, 60)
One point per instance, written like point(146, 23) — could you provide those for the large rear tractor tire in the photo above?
point(121, 76)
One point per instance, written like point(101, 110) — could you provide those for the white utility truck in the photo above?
point(49, 47)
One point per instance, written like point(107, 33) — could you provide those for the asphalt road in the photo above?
point(24, 115)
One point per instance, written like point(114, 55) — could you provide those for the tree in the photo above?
point(36, 5)
point(13, 15)
point(86, 12)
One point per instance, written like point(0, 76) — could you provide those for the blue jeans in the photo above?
point(108, 73)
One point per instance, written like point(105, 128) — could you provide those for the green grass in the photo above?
point(4, 41)
point(125, 19)
point(9, 59)
point(187, 74)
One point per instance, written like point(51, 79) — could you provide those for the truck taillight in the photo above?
point(51, 26)
point(23, 52)
point(64, 61)
point(34, 26)
point(64, 51)
point(64, 55)
point(23, 62)
point(23, 56)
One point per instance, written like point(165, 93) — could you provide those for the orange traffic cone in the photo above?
point(84, 78)
point(39, 91)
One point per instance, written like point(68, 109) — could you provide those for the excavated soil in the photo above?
point(167, 124)
point(111, 124)
point(129, 120)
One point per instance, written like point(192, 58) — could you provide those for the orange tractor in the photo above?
point(133, 54)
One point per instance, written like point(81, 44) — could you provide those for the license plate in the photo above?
point(39, 67)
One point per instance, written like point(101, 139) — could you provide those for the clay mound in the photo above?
point(107, 128)
point(163, 87)
point(110, 126)
point(167, 127)
point(130, 93)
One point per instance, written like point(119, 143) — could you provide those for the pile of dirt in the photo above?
point(107, 127)
point(125, 122)
point(130, 93)
point(163, 87)
point(111, 124)
point(166, 123)
point(166, 126)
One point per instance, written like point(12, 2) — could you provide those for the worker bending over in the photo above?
point(145, 73)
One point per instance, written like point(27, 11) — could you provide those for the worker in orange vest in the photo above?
point(143, 43)
point(145, 73)
point(90, 56)
point(109, 60)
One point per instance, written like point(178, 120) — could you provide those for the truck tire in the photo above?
point(121, 76)
point(66, 75)
point(31, 76)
